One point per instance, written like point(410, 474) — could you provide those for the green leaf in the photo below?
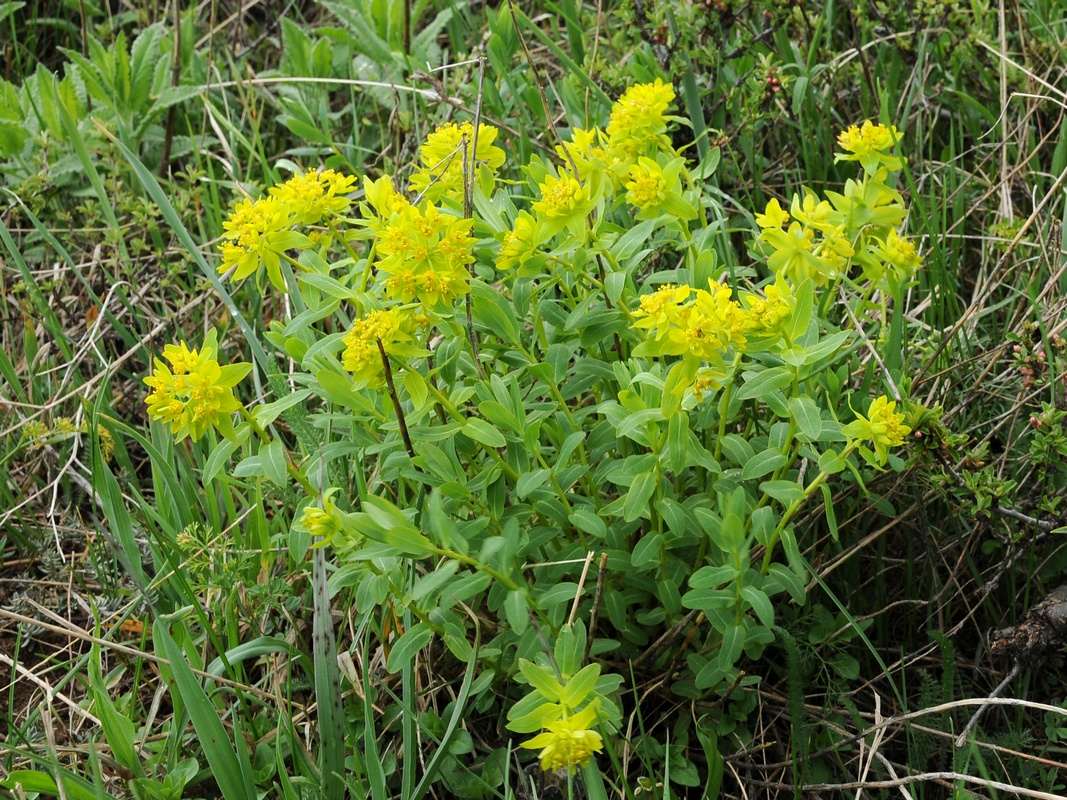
point(637, 498)
point(118, 729)
point(765, 382)
point(490, 309)
point(807, 416)
point(530, 481)
point(586, 520)
point(633, 426)
point(737, 448)
point(760, 603)
point(541, 679)
point(272, 460)
point(762, 463)
point(408, 645)
point(781, 575)
point(785, 492)
point(578, 688)
point(266, 414)
point(416, 387)
point(733, 642)
point(647, 551)
point(801, 317)
point(678, 436)
point(220, 455)
point(828, 509)
point(710, 577)
point(516, 612)
point(337, 388)
point(482, 432)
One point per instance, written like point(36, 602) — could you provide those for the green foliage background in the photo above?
point(183, 621)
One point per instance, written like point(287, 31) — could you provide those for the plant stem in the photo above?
point(396, 400)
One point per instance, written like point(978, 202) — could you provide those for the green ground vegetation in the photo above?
point(772, 535)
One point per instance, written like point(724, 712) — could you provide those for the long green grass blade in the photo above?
point(227, 769)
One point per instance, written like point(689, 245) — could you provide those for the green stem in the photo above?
point(794, 507)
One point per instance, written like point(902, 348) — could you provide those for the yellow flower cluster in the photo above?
point(195, 392)
point(315, 195)
point(866, 144)
point(768, 314)
point(324, 523)
point(822, 239)
point(443, 159)
point(882, 426)
point(639, 119)
point(687, 321)
point(568, 742)
point(260, 232)
point(632, 159)
point(424, 255)
point(391, 329)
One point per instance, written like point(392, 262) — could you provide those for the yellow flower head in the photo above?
point(639, 119)
point(443, 159)
point(883, 426)
point(383, 198)
point(561, 198)
point(768, 314)
point(520, 243)
point(774, 216)
point(811, 213)
point(361, 357)
point(325, 522)
point(314, 195)
point(568, 743)
point(662, 308)
point(257, 233)
point(647, 187)
point(197, 394)
point(585, 150)
point(901, 253)
point(867, 144)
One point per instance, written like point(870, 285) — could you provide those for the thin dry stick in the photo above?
point(396, 400)
point(581, 586)
point(871, 347)
point(541, 89)
point(594, 615)
point(961, 740)
point(468, 207)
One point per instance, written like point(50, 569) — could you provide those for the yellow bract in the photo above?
point(639, 119)
point(568, 743)
point(865, 143)
point(443, 159)
point(882, 426)
point(195, 393)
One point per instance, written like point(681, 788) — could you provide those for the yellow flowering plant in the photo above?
point(491, 385)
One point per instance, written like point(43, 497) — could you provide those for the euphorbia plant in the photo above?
point(501, 386)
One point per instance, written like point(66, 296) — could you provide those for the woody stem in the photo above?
point(396, 400)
